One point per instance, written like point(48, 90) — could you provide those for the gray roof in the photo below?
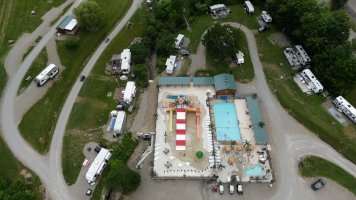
point(65, 22)
point(174, 81)
point(224, 81)
point(203, 80)
point(256, 118)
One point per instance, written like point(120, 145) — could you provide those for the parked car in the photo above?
point(89, 192)
point(239, 189)
point(318, 184)
point(221, 189)
point(107, 40)
point(82, 78)
point(263, 29)
point(231, 189)
point(97, 149)
point(184, 52)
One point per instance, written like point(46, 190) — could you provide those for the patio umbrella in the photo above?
point(228, 148)
point(239, 147)
point(231, 160)
point(250, 147)
point(199, 154)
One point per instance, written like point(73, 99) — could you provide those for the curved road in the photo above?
point(48, 169)
point(290, 140)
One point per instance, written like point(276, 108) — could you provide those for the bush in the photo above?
point(125, 148)
point(141, 75)
point(72, 43)
point(161, 64)
point(139, 52)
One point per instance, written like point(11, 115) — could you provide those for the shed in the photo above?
point(69, 25)
point(225, 84)
point(256, 118)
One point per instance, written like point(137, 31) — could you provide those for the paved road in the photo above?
point(290, 140)
point(48, 169)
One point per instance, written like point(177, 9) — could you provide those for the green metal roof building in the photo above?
point(170, 81)
point(225, 84)
point(256, 118)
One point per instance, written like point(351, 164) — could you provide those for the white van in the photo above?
point(249, 7)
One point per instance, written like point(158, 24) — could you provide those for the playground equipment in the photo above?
point(170, 119)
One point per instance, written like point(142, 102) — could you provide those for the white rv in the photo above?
point(303, 56)
point(98, 165)
point(125, 61)
point(129, 92)
point(170, 64)
point(346, 108)
point(311, 80)
point(266, 17)
point(249, 7)
point(179, 41)
point(119, 123)
point(217, 8)
point(48, 73)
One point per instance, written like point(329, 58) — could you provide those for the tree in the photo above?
point(90, 15)
point(336, 4)
point(139, 52)
point(221, 41)
point(141, 75)
point(122, 178)
point(165, 45)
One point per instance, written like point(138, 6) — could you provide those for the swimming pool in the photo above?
point(255, 170)
point(226, 123)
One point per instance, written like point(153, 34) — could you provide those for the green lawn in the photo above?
point(37, 66)
point(93, 99)
point(16, 19)
point(316, 167)
point(38, 123)
point(307, 110)
point(202, 23)
point(242, 73)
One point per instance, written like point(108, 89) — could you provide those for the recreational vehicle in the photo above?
point(48, 73)
point(303, 56)
point(346, 108)
point(125, 61)
point(249, 7)
point(266, 17)
point(130, 92)
point(98, 165)
point(179, 41)
point(119, 123)
point(311, 80)
point(170, 64)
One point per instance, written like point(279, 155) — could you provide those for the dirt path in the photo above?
point(198, 59)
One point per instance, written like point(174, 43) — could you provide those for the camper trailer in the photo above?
point(346, 108)
point(179, 41)
point(303, 56)
point(312, 81)
point(125, 61)
point(130, 92)
point(119, 123)
point(266, 17)
point(249, 7)
point(48, 73)
point(98, 165)
point(170, 64)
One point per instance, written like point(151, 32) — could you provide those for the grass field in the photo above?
point(38, 123)
point(242, 73)
point(37, 66)
point(15, 19)
point(316, 167)
point(307, 110)
point(92, 99)
point(202, 23)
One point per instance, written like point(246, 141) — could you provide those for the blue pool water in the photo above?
point(226, 123)
point(255, 170)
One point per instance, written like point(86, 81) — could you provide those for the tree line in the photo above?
point(324, 34)
point(16, 190)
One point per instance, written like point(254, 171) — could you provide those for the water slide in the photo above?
point(197, 113)
point(172, 97)
point(170, 119)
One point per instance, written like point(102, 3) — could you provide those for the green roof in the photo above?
point(224, 81)
point(174, 81)
point(203, 80)
point(65, 22)
point(256, 118)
